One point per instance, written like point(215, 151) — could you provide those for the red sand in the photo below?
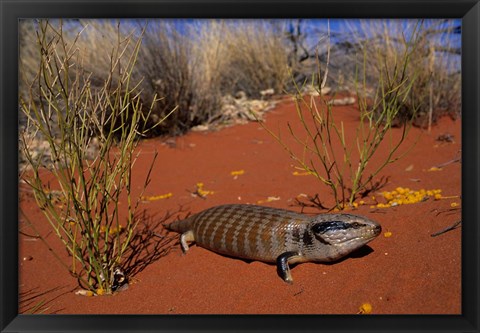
point(407, 273)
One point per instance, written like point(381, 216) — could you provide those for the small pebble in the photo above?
point(27, 258)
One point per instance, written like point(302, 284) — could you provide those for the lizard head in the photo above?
point(344, 233)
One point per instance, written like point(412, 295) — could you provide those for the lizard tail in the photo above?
point(179, 226)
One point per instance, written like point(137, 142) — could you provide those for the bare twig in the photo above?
point(448, 162)
point(453, 226)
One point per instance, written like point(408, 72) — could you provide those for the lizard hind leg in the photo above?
point(185, 238)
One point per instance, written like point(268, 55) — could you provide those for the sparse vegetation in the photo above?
point(90, 89)
point(191, 65)
point(79, 194)
point(194, 64)
point(434, 62)
point(347, 175)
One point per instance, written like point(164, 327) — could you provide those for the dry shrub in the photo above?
point(65, 108)
point(250, 55)
point(189, 65)
point(172, 67)
point(194, 67)
point(435, 61)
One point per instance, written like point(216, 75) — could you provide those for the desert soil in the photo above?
point(403, 271)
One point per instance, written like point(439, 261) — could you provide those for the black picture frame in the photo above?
point(12, 10)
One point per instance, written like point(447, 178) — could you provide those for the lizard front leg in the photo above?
point(283, 262)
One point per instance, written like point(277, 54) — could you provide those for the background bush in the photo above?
point(188, 65)
point(191, 64)
point(435, 62)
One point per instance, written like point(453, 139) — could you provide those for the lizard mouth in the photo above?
point(351, 237)
point(338, 229)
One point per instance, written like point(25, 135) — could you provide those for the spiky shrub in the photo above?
point(80, 193)
point(173, 66)
point(321, 136)
point(190, 64)
point(253, 55)
point(435, 62)
point(196, 66)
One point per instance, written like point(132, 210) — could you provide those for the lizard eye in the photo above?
point(323, 227)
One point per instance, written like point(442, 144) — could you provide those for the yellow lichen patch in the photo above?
point(434, 169)
point(365, 308)
point(387, 234)
point(269, 199)
point(157, 197)
point(454, 204)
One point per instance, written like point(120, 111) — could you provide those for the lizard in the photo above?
point(274, 235)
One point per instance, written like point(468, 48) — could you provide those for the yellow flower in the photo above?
point(237, 173)
point(400, 190)
point(296, 173)
point(365, 308)
point(84, 292)
point(204, 193)
point(387, 195)
point(404, 195)
point(201, 192)
point(412, 198)
point(157, 197)
point(100, 291)
point(269, 199)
